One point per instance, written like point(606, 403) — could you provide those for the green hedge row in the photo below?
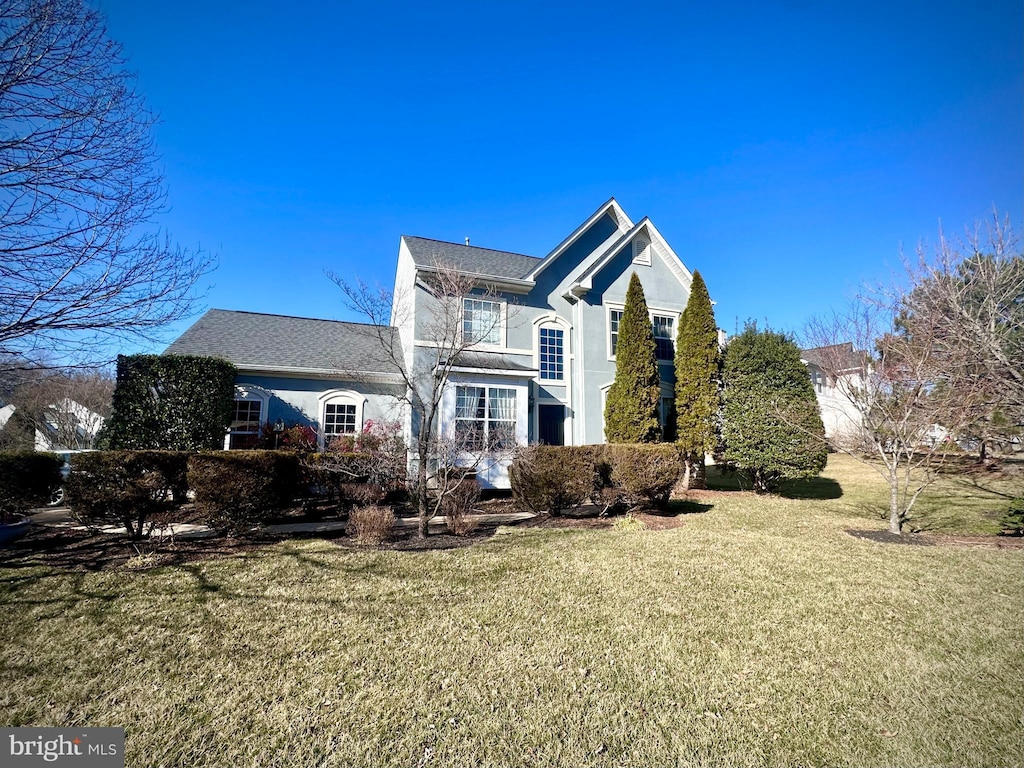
point(27, 479)
point(126, 488)
point(236, 490)
point(552, 478)
point(232, 490)
point(170, 402)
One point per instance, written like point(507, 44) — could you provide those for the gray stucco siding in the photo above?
point(298, 400)
point(662, 290)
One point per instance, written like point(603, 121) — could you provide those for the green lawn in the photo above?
point(757, 633)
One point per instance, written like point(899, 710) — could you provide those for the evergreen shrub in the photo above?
point(125, 488)
point(171, 402)
point(553, 478)
point(237, 490)
point(631, 410)
point(27, 479)
point(772, 427)
point(645, 473)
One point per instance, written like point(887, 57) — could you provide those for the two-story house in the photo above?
point(539, 339)
point(837, 373)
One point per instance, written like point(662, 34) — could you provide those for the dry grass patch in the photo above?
point(757, 633)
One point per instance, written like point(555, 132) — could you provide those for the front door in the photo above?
point(551, 424)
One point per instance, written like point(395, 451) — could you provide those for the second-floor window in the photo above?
point(664, 327)
point(664, 336)
point(552, 353)
point(481, 321)
point(614, 318)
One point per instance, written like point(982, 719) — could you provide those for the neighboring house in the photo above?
point(544, 331)
point(836, 369)
point(67, 425)
point(64, 426)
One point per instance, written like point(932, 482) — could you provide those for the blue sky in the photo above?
point(785, 149)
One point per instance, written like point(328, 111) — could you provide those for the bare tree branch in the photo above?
point(81, 262)
point(425, 368)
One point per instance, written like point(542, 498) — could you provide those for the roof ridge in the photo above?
point(292, 317)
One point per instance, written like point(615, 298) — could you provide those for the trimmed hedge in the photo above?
point(125, 487)
point(171, 402)
point(27, 479)
point(645, 472)
point(236, 490)
point(553, 478)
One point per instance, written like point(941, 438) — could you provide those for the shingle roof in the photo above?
point(491, 361)
point(470, 258)
point(280, 342)
point(842, 356)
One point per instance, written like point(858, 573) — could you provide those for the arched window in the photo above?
point(551, 345)
point(551, 352)
point(341, 413)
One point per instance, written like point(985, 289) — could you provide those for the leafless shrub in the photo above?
point(458, 504)
point(371, 525)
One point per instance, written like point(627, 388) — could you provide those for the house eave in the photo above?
point(507, 284)
point(518, 373)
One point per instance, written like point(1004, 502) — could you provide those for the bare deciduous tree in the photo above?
point(441, 457)
point(969, 293)
point(923, 366)
point(897, 420)
point(80, 260)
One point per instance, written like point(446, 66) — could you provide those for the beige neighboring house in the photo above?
point(836, 370)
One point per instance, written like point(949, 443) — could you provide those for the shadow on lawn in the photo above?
point(812, 488)
point(681, 507)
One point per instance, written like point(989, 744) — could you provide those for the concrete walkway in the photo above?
point(60, 517)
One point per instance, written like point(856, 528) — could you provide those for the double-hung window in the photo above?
point(552, 353)
point(664, 333)
point(485, 418)
point(664, 336)
point(481, 321)
point(614, 318)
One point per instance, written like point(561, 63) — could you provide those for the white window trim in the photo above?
point(651, 312)
point(605, 389)
point(502, 323)
point(341, 396)
point(250, 394)
point(563, 325)
point(609, 307)
point(674, 316)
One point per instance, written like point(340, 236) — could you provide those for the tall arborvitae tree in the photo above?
point(698, 382)
point(631, 413)
point(772, 426)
